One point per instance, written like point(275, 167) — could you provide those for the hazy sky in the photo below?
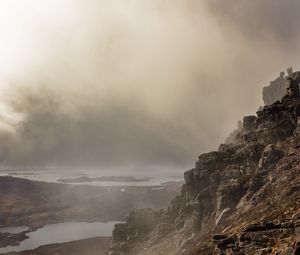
point(135, 83)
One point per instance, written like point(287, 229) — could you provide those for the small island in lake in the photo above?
point(104, 179)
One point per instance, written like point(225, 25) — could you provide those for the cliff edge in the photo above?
point(243, 198)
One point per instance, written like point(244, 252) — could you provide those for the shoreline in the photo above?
point(36, 204)
point(89, 246)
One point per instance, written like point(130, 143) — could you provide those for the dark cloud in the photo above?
point(139, 83)
point(120, 133)
point(260, 20)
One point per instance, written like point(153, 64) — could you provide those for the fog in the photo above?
point(134, 83)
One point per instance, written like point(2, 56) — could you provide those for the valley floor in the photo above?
point(35, 204)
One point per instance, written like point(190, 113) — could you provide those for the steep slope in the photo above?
point(242, 199)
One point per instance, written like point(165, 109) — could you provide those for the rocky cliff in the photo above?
point(243, 198)
point(274, 91)
point(278, 87)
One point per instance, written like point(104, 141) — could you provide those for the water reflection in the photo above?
point(62, 232)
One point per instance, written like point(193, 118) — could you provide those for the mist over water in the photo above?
point(149, 177)
point(134, 83)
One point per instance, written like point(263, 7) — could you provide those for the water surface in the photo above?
point(154, 178)
point(61, 233)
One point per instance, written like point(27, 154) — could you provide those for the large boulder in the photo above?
point(212, 160)
point(249, 123)
point(120, 232)
point(189, 177)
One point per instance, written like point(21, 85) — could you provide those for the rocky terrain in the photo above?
point(277, 88)
point(8, 239)
point(34, 204)
point(274, 91)
point(243, 198)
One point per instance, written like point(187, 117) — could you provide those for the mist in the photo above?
point(133, 83)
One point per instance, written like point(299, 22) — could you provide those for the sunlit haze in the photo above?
point(133, 83)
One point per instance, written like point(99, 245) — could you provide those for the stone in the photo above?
point(219, 237)
point(179, 225)
point(245, 238)
point(189, 176)
point(253, 227)
point(266, 251)
point(164, 228)
point(249, 123)
point(119, 233)
point(212, 160)
point(296, 250)
point(218, 252)
point(287, 225)
point(275, 90)
point(270, 156)
point(226, 243)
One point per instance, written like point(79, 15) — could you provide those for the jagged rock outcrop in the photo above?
point(234, 135)
point(275, 90)
point(242, 199)
point(139, 223)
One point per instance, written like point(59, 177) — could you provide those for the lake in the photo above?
point(155, 178)
point(59, 233)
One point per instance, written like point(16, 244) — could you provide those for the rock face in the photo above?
point(7, 239)
point(138, 224)
point(242, 199)
point(275, 90)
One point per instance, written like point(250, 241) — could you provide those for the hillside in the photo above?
point(35, 204)
point(243, 198)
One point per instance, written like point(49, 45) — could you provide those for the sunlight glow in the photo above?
point(20, 22)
